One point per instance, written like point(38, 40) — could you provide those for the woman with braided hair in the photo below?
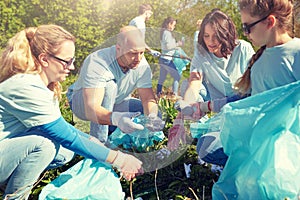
point(275, 64)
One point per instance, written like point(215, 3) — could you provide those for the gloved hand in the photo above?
point(154, 123)
point(184, 107)
point(155, 53)
point(124, 122)
point(200, 109)
point(192, 111)
point(128, 165)
point(176, 135)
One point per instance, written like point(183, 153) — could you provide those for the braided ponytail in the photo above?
point(243, 84)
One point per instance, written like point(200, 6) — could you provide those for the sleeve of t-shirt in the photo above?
point(33, 103)
point(95, 71)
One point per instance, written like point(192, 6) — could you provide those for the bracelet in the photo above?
point(208, 105)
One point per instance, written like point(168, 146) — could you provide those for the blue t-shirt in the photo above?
point(220, 74)
point(28, 106)
point(139, 22)
point(168, 44)
point(25, 102)
point(277, 66)
point(102, 66)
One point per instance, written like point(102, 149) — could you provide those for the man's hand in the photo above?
point(124, 122)
point(154, 123)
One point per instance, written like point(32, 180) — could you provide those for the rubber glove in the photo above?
point(193, 111)
point(124, 122)
point(155, 53)
point(176, 135)
point(128, 165)
point(200, 109)
point(154, 123)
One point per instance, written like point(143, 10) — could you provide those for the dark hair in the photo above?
point(225, 31)
point(165, 25)
point(144, 7)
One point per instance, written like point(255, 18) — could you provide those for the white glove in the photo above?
point(184, 107)
point(154, 123)
point(124, 122)
point(195, 110)
point(128, 165)
point(155, 53)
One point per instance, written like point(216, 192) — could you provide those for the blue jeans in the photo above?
point(23, 159)
point(210, 149)
point(98, 130)
point(167, 66)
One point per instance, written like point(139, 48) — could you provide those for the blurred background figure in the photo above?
point(170, 48)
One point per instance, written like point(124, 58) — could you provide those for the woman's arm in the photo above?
point(192, 93)
point(73, 139)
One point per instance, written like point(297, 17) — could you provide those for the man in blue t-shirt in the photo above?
point(102, 93)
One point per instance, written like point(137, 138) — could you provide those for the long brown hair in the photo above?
point(225, 31)
point(22, 51)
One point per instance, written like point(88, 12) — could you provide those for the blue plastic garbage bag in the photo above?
point(180, 63)
point(87, 180)
point(140, 139)
point(261, 136)
point(206, 125)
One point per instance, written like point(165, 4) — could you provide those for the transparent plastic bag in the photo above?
point(140, 139)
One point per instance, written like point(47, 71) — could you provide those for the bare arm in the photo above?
point(93, 98)
point(148, 100)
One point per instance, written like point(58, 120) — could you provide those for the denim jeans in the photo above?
point(167, 66)
point(24, 158)
point(98, 130)
point(209, 149)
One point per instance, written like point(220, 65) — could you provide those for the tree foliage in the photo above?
point(95, 21)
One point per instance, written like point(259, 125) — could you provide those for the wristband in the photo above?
point(208, 105)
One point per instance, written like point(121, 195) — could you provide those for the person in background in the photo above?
point(219, 60)
point(32, 132)
point(145, 12)
point(198, 26)
point(102, 92)
point(275, 64)
point(169, 46)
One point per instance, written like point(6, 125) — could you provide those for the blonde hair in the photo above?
point(282, 10)
point(22, 51)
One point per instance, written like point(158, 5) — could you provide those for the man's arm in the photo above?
point(148, 100)
point(93, 98)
